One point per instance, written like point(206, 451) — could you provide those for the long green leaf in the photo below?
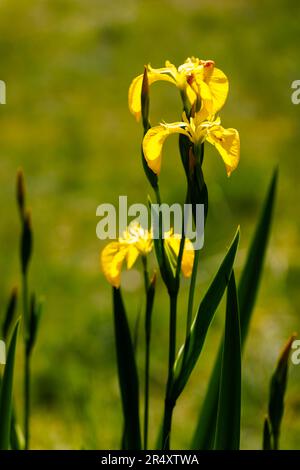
point(247, 291)
point(267, 442)
point(8, 319)
point(277, 392)
point(252, 272)
point(189, 354)
point(128, 377)
point(6, 392)
point(229, 406)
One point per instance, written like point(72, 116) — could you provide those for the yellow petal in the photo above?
point(134, 96)
point(217, 84)
point(227, 142)
point(154, 141)
point(187, 259)
point(135, 89)
point(112, 257)
point(206, 98)
point(187, 262)
point(132, 255)
point(191, 94)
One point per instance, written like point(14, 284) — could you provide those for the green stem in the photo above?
point(26, 361)
point(157, 194)
point(200, 156)
point(27, 399)
point(169, 403)
point(275, 441)
point(182, 243)
point(192, 293)
point(25, 306)
point(147, 352)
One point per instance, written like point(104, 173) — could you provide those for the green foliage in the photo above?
point(10, 313)
point(65, 91)
point(7, 392)
point(247, 291)
point(229, 405)
point(277, 392)
point(128, 377)
point(190, 353)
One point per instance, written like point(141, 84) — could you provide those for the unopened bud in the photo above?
point(145, 100)
point(34, 320)
point(26, 243)
point(21, 192)
point(10, 312)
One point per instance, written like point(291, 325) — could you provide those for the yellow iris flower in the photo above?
point(198, 129)
point(195, 78)
point(172, 245)
point(136, 242)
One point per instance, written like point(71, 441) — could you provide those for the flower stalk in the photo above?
point(150, 291)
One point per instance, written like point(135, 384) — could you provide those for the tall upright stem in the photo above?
point(26, 361)
point(192, 293)
point(147, 351)
point(169, 404)
point(202, 195)
point(27, 399)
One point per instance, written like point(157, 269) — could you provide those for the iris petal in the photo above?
point(173, 242)
point(112, 257)
point(154, 140)
point(227, 142)
point(135, 89)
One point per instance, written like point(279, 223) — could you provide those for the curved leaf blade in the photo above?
point(203, 437)
point(127, 373)
point(229, 406)
point(6, 392)
point(189, 354)
point(278, 386)
point(267, 442)
point(253, 268)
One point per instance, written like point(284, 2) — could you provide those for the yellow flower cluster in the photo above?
point(136, 242)
point(203, 84)
point(204, 90)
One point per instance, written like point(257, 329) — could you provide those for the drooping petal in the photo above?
point(227, 142)
point(173, 242)
point(112, 257)
point(134, 96)
point(135, 89)
point(154, 140)
point(132, 255)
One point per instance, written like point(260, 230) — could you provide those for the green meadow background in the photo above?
point(67, 65)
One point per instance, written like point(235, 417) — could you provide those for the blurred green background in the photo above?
point(67, 65)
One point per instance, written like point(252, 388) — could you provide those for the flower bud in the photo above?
point(10, 312)
point(145, 101)
point(26, 243)
point(20, 193)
